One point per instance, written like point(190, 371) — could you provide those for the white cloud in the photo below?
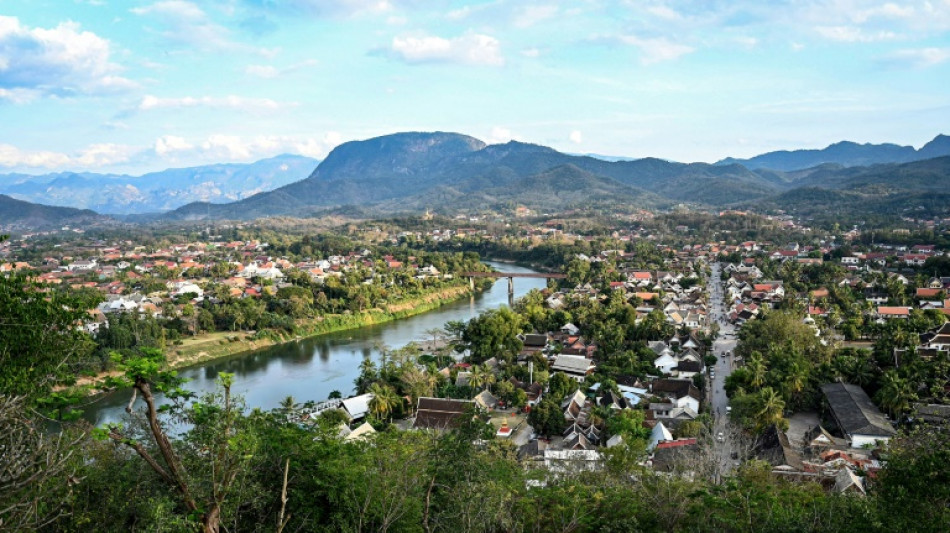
point(469, 49)
point(329, 8)
point(272, 72)
point(58, 61)
point(104, 154)
point(171, 143)
point(917, 57)
point(459, 14)
point(576, 137)
point(150, 102)
point(531, 15)
point(531, 52)
point(656, 50)
point(187, 24)
point(262, 71)
point(11, 157)
point(93, 156)
point(854, 34)
point(664, 12)
point(232, 147)
point(500, 135)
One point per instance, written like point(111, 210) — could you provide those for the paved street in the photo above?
point(725, 344)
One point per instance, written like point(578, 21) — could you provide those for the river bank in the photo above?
point(223, 344)
point(209, 347)
point(312, 368)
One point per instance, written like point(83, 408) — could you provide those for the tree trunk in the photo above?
point(211, 521)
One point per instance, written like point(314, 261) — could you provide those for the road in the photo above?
point(724, 344)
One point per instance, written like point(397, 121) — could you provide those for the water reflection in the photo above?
point(309, 369)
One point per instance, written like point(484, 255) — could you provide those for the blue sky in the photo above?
point(131, 86)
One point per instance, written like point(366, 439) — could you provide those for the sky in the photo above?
point(134, 86)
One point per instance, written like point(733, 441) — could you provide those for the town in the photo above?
point(691, 358)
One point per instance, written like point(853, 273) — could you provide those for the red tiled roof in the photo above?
point(675, 443)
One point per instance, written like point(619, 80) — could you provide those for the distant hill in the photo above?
point(846, 154)
point(454, 171)
point(919, 188)
point(157, 191)
point(19, 214)
point(450, 172)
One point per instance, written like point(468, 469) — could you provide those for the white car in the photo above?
point(720, 437)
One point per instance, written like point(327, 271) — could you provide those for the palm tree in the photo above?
point(896, 393)
point(384, 400)
point(490, 377)
point(862, 371)
point(757, 369)
point(797, 376)
point(771, 409)
point(418, 383)
point(477, 377)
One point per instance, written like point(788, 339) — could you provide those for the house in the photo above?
point(577, 367)
point(889, 313)
point(358, 406)
point(572, 461)
point(486, 400)
point(861, 422)
point(669, 456)
point(362, 432)
point(575, 407)
point(441, 413)
point(657, 435)
point(846, 482)
point(533, 343)
point(682, 392)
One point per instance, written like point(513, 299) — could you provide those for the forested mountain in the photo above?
point(157, 191)
point(452, 171)
point(448, 171)
point(18, 213)
point(846, 154)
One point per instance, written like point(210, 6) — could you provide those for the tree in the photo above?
point(914, 486)
point(896, 393)
point(757, 370)
point(578, 272)
point(560, 386)
point(771, 409)
point(369, 374)
point(494, 333)
point(546, 417)
point(40, 345)
point(216, 423)
point(36, 470)
point(384, 400)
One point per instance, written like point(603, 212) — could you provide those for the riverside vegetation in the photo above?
point(227, 467)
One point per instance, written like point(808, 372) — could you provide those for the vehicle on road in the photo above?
point(720, 437)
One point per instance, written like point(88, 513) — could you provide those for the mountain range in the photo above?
point(845, 153)
point(19, 214)
point(157, 191)
point(446, 172)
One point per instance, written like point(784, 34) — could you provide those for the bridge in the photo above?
point(552, 275)
point(511, 278)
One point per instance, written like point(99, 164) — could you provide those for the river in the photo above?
point(311, 368)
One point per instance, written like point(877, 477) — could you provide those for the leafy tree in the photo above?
point(546, 417)
point(914, 487)
point(384, 402)
point(560, 386)
point(40, 343)
point(217, 423)
point(494, 334)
